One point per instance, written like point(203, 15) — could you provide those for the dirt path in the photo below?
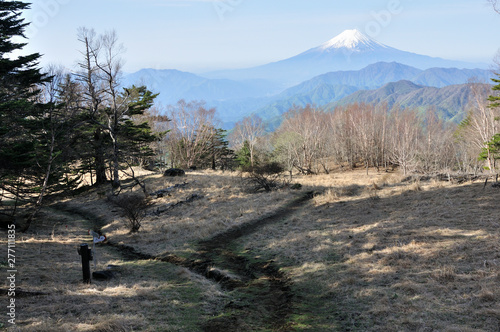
point(264, 300)
point(272, 295)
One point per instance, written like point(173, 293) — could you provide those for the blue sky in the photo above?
point(201, 35)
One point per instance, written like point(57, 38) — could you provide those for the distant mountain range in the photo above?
point(351, 50)
point(332, 87)
point(448, 102)
point(268, 90)
point(174, 85)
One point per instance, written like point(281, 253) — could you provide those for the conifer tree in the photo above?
point(135, 138)
point(495, 100)
point(20, 113)
point(218, 154)
point(493, 146)
point(243, 156)
point(108, 107)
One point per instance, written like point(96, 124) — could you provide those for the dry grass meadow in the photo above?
point(367, 253)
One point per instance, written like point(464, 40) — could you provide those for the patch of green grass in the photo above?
point(180, 301)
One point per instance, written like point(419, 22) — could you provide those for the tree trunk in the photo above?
point(39, 201)
point(116, 165)
point(99, 158)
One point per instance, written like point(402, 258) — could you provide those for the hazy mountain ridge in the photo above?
point(332, 87)
point(381, 73)
point(316, 96)
point(170, 83)
point(174, 85)
point(351, 50)
point(449, 102)
point(236, 99)
point(263, 90)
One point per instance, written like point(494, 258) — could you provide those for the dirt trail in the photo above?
point(270, 288)
point(268, 299)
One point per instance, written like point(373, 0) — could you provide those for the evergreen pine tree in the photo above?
point(495, 100)
point(135, 138)
point(243, 156)
point(20, 114)
point(493, 146)
point(218, 155)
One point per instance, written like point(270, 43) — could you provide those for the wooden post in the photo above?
point(86, 254)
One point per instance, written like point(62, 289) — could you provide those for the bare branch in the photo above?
point(495, 4)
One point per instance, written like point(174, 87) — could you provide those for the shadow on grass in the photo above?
point(415, 260)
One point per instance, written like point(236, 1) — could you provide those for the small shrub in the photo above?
point(134, 207)
point(266, 177)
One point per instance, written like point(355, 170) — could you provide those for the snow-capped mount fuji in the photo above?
point(350, 50)
point(351, 40)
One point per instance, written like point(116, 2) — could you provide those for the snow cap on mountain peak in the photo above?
point(352, 40)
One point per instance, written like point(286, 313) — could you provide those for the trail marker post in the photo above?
point(86, 254)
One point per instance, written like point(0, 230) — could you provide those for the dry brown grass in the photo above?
point(369, 253)
point(144, 294)
point(225, 203)
point(148, 295)
point(421, 256)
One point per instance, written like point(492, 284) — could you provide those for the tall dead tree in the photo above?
point(101, 70)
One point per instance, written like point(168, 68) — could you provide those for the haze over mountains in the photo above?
point(351, 50)
point(322, 75)
point(448, 102)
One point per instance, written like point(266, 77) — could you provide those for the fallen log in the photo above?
point(162, 192)
point(169, 207)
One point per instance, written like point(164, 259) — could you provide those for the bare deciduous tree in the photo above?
point(110, 67)
point(305, 129)
point(480, 124)
point(405, 137)
point(58, 127)
point(249, 130)
point(101, 70)
point(343, 141)
point(192, 128)
point(93, 95)
point(159, 124)
point(437, 150)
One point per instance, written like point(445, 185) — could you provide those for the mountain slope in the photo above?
point(319, 95)
point(351, 50)
point(170, 83)
point(372, 76)
point(174, 85)
point(450, 102)
point(441, 77)
point(380, 73)
point(331, 87)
